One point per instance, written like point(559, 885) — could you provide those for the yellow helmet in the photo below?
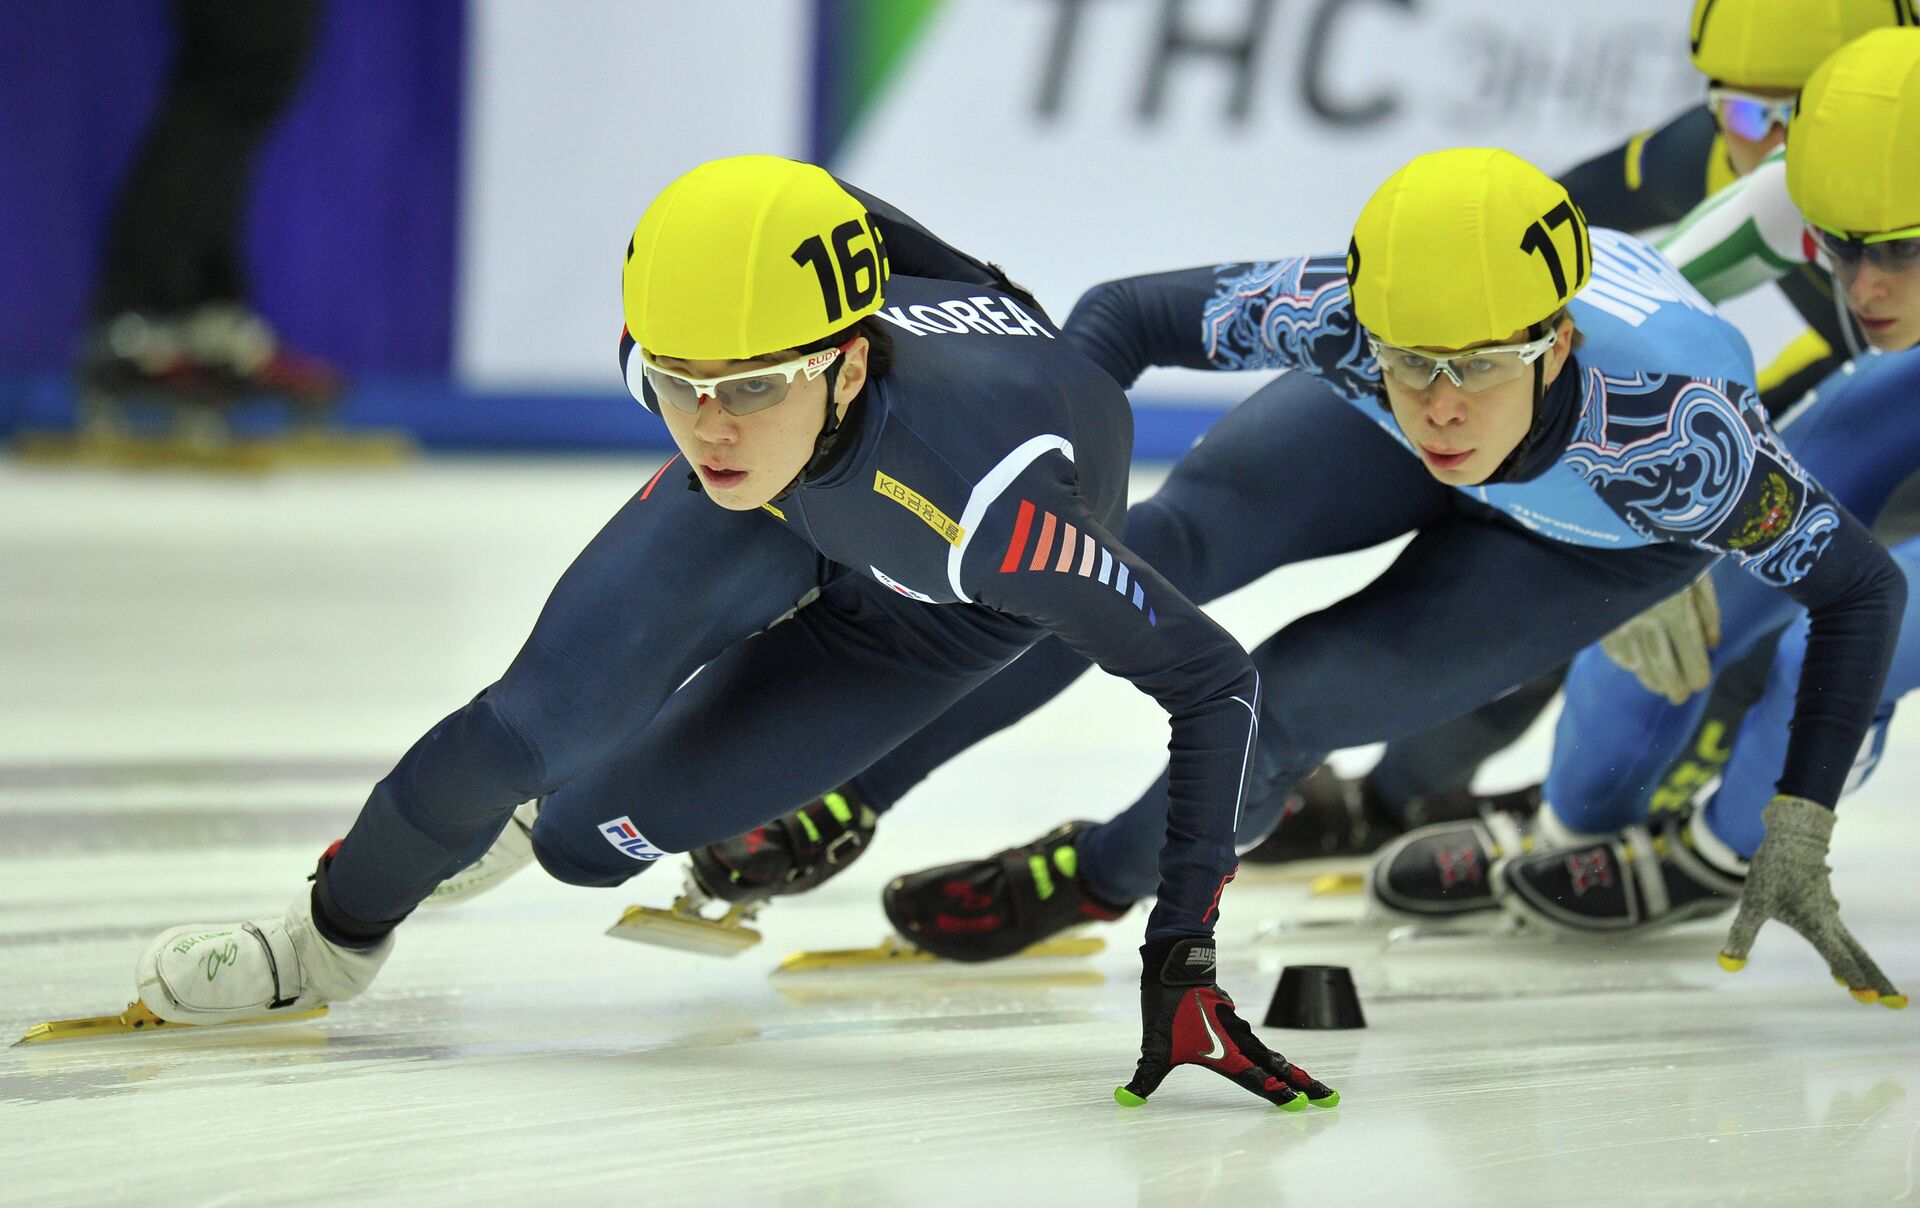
point(1464, 246)
point(746, 256)
point(1778, 43)
point(1853, 150)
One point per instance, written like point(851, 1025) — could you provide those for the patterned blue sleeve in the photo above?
point(1289, 314)
point(1696, 461)
point(1281, 314)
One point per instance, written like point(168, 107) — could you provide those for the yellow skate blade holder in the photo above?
point(139, 452)
point(682, 927)
point(894, 951)
point(335, 448)
point(331, 449)
point(1336, 884)
point(137, 1018)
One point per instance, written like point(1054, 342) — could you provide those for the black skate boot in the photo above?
point(1521, 803)
point(792, 854)
point(982, 910)
point(1635, 880)
point(1326, 815)
point(1329, 815)
point(1442, 870)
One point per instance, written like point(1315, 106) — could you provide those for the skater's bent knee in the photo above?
point(563, 863)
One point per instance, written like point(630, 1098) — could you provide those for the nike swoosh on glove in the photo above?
point(1186, 1019)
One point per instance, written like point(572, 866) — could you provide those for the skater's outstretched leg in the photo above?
point(620, 632)
point(613, 643)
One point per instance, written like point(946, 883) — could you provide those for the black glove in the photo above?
point(1185, 1019)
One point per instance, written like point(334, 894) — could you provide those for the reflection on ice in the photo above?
point(511, 1053)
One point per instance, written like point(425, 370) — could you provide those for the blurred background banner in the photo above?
point(351, 233)
point(443, 209)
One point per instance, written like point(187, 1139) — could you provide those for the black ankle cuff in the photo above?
point(335, 924)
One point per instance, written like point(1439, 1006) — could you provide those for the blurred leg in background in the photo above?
point(170, 318)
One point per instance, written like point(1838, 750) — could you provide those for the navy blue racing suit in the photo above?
point(972, 509)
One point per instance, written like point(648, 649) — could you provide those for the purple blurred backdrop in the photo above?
point(351, 234)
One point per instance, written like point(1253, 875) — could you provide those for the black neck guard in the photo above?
point(838, 435)
point(1556, 410)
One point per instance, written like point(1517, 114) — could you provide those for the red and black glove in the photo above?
point(1186, 1019)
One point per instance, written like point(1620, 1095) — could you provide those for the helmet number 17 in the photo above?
point(1539, 241)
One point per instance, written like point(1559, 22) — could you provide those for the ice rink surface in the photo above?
point(200, 678)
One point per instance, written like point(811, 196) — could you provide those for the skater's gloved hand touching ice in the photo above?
point(1188, 1020)
point(1666, 646)
point(1788, 880)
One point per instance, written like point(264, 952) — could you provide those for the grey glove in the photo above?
point(1787, 880)
point(1666, 646)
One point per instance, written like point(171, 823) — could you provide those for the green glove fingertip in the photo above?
point(1126, 1098)
point(1865, 996)
point(1732, 964)
point(1332, 1100)
point(1897, 1002)
point(1296, 1104)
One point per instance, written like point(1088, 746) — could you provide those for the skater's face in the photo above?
point(745, 460)
point(1882, 284)
point(1753, 120)
point(1463, 436)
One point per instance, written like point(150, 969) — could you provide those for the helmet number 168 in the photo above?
point(862, 268)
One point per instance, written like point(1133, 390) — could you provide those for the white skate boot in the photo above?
point(227, 972)
point(508, 855)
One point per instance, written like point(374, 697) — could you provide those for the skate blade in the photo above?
point(136, 1018)
point(1336, 884)
point(139, 453)
point(334, 448)
point(1302, 872)
point(245, 455)
point(685, 931)
point(1477, 925)
point(896, 951)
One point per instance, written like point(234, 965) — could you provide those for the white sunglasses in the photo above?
point(1474, 370)
point(741, 393)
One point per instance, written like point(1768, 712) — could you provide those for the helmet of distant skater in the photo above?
point(1853, 150)
point(1778, 43)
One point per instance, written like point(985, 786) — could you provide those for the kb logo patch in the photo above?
point(622, 833)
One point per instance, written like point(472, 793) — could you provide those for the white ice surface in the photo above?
point(200, 678)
